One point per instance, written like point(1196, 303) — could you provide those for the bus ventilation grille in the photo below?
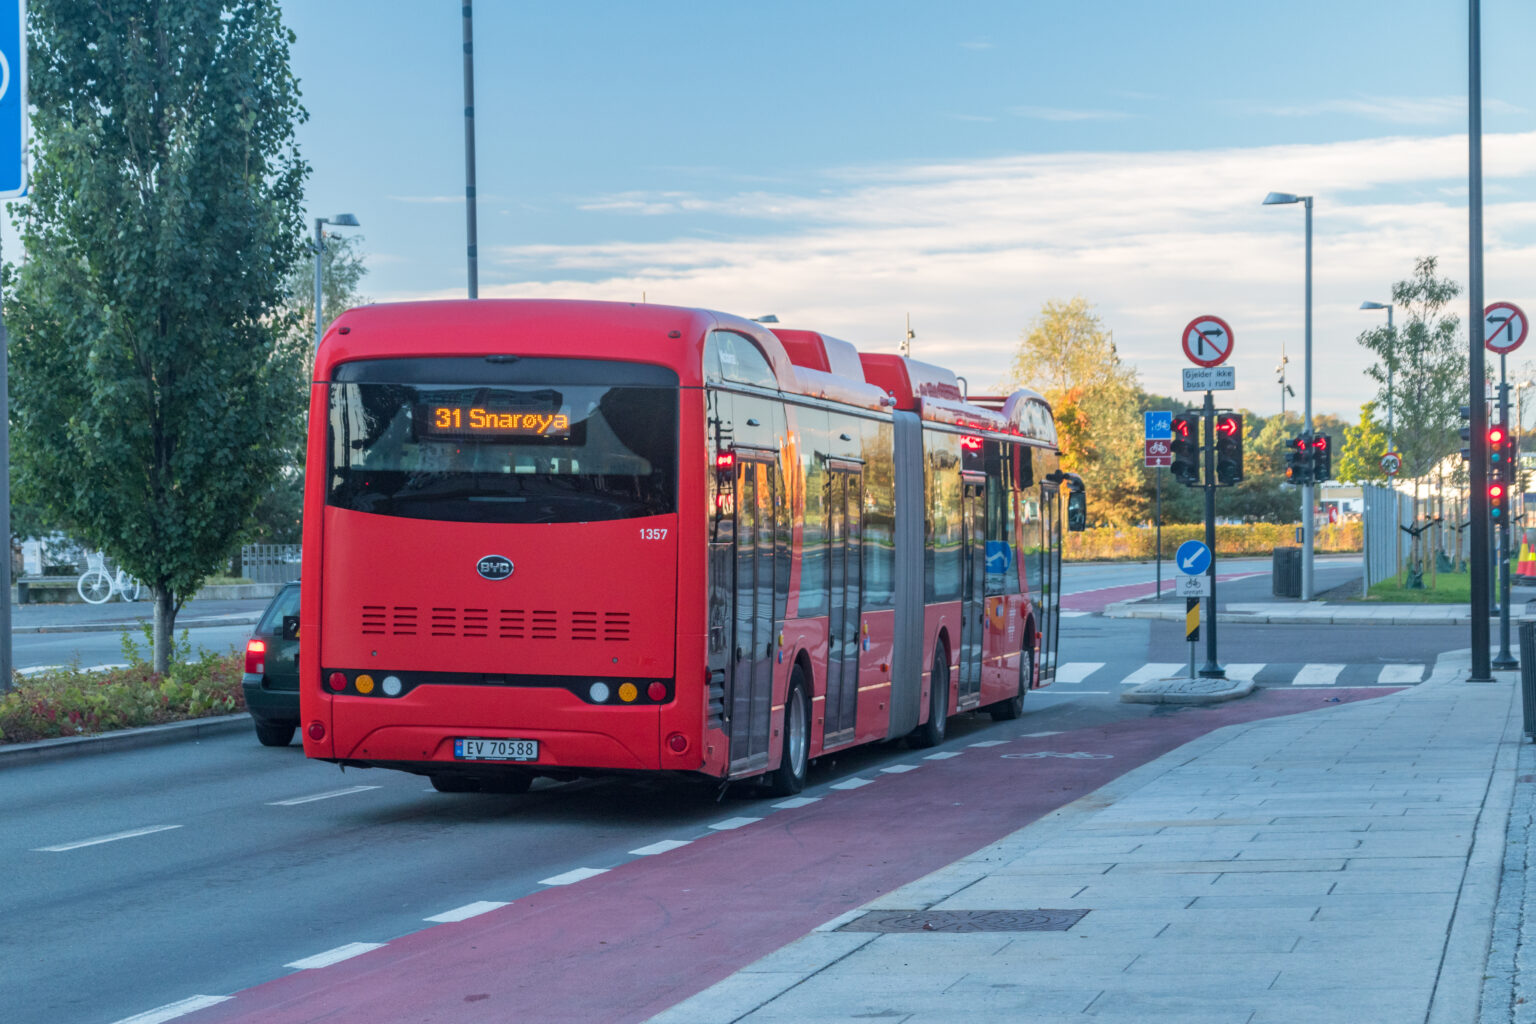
point(501, 623)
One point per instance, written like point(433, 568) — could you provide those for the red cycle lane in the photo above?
point(1098, 600)
point(627, 944)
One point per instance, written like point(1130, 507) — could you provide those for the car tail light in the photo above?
point(256, 657)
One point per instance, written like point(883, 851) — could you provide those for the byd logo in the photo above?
point(494, 567)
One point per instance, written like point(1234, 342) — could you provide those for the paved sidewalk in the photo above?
point(1314, 613)
point(115, 615)
point(1341, 865)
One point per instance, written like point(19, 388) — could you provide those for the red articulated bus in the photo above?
point(568, 538)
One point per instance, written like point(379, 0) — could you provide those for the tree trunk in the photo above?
point(165, 627)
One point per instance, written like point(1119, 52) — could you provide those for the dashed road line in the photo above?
point(573, 876)
point(334, 956)
point(853, 783)
point(900, 769)
point(988, 743)
point(730, 823)
point(170, 1011)
point(466, 912)
point(797, 801)
point(943, 755)
point(98, 840)
point(664, 846)
point(320, 796)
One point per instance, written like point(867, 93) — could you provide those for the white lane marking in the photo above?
point(1317, 675)
point(320, 796)
point(898, 769)
point(334, 956)
point(1077, 671)
point(1400, 674)
point(730, 823)
point(1152, 670)
point(1065, 693)
point(989, 743)
point(943, 755)
point(114, 837)
point(1244, 671)
point(1036, 735)
point(466, 912)
point(665, 846)
point(573, 876)
point(851, 783)
point(797, 801)
point(170, 1011)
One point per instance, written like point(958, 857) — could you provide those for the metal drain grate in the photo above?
point(965, 921)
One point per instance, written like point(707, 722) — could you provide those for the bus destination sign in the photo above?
point(470, 421)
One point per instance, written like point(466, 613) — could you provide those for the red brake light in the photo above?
point(256, 656)
point(338, 681)
point(657, 692)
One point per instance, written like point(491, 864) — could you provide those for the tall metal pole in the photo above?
point(469, 148)
point(1478, 526)
point(319, 258)
point(1211, 669)
point(7, 667)
point(1504, 659)
point(1308, 527)
point(1391, 340)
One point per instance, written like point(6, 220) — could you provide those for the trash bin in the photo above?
point(1528, 674)
point(1286, 572)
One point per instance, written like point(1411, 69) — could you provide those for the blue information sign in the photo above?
point(13, 99)
point(1159, 425)
point(1192, 558)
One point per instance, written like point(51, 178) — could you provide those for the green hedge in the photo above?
point(1105, 543)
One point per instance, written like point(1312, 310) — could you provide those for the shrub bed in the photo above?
point(74, 702)
point(1106, 543)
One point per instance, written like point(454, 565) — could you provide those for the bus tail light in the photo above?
point(316, 731)
point(677, 743)
point(256, 657)
point(657, 692)
point(338, 681)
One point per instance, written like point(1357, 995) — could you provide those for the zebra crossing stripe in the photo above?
point(1317, 675)
point(1244, 671)
point(1400, 674)
point(1077, 671)
point(1153, 670)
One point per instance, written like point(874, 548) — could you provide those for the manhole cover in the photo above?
point(965, 921)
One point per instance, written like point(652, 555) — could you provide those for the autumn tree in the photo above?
point(151, 392)
point(1069, 356)
point(1360, 453)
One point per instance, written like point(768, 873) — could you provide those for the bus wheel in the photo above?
point(455, 783)
point(1013, 707)
point(789, 777)
point(931, 733)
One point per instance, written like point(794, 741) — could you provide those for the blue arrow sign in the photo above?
point(1159, 425)
point(13, 99)
point(1192, 558)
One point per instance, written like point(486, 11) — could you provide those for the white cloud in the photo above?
point(972, 250)
point(1066, 114)
point(1394, 109)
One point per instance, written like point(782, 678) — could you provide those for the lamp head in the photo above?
point(344, 220)
point(1277, 198)
point(1374, 305)
point(768, 319)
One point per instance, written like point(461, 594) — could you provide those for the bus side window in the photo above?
point(1001, 577)
point(742, 361)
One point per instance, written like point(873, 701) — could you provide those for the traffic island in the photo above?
point(1184, 690)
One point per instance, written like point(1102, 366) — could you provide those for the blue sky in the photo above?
point(844, 164)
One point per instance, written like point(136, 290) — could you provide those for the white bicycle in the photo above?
point(97, 586)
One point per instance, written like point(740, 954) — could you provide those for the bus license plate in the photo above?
point(495, 750)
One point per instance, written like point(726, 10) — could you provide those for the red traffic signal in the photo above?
point(1496, 501)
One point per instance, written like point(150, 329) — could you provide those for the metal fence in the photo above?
point(1386, 511)
point(270, 563)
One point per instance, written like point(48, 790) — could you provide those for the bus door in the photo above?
point(845, 507)
point(749, 669)
point(973, 578)
point(1050, 582)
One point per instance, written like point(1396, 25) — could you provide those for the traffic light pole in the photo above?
point(1211, 670)
point(1504, 659)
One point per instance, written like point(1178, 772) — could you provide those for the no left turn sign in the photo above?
point(1207, 341)
point(1504, 327)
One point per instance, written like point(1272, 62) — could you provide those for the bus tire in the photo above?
point(931, 733)
point(1013, 707)
point(794, 760)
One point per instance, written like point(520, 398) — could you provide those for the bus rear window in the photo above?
point(488, 444)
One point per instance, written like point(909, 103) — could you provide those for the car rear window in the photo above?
point(285, 603)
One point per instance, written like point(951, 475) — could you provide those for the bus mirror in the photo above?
point(1077, 511)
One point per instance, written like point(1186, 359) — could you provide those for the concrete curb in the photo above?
point(1184, 690)
point(64, 747)
point(242, 619)
point(1300, 617)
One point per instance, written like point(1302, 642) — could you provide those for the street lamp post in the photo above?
point(1391, 361)
point(1308, 527)
point(341, 220)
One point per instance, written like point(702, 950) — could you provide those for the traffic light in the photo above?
point(1298, 460)
point(1497, 492)
point(1499, 458)
point(1322, 458)
point(1186, 449)
point(1229, 448)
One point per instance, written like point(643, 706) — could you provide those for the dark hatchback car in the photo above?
point(271, 679)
